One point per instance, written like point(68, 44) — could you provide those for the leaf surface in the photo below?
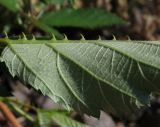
point(46, 117)
point(85, 18)
point(10, 4)
point(89, 76)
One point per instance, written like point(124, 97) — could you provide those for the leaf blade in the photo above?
point(88, 76)
point(10, 4)
point(46, 117)
point(84, 18)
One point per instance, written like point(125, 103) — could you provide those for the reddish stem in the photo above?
point(9, 115)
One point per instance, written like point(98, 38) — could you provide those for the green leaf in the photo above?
point(65, 121)
point(10, 4)
point(54, 1)
point(117, 76)
point(85, 18)
point(46, 117)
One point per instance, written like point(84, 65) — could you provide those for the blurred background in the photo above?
point(109, 19)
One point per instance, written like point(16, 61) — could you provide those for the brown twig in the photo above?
point(9, 115)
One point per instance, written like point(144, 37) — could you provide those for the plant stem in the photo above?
point(21, 112)
point(42, 26)
point(17, 102)
point(8, 114)
point(13, 100)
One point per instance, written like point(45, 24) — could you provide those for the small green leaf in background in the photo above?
point(10, 4)
point(46, 118)
point(44, 27)
point(84, 17)
point(54, 1)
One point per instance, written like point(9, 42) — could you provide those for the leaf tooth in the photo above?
point(24, 36)
point(33, 37)
point(129, 39)
point(19, 37)
point(82, 37)
point(6, 35)
point(65, 37)
point(114, 38)
point(138, 104)
point(99, 38)
point(53, 37)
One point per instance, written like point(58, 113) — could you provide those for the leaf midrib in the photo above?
point(53, 40)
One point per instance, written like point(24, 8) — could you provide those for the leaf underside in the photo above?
point(89, 76)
